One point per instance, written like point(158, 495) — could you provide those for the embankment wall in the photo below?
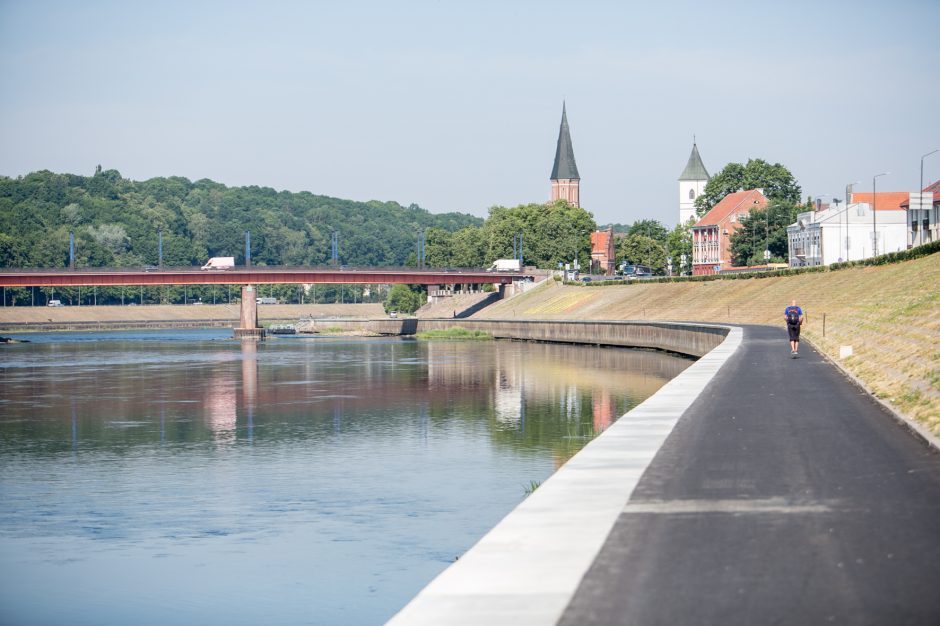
point(691, 339)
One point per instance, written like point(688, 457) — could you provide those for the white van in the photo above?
point(55, 303)
point(220, 263)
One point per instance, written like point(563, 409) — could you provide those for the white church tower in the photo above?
point(691, 185)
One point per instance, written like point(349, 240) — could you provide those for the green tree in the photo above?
point(649, 228)
point(678, 243)
point(764, 229)
point(404, 298)
point(12, 252)
point(642, 250)
point(776, 181)
point(551, 233)
point(467, 247)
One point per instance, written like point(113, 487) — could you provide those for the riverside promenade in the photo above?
point(752, 489)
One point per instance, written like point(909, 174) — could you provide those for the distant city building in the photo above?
point(711, 235)
point(602, 251)
point(566, 184)
point(692, 183)
point(923, 211)
point(845, 232)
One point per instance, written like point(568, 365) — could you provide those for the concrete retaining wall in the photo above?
point(691, 339)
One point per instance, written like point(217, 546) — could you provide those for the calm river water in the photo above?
point(180, 477)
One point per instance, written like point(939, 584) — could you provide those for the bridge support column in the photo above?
point(248, 320)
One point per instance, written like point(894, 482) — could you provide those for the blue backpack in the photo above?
point(793, 316)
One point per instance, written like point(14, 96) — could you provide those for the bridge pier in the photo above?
point(248, 319)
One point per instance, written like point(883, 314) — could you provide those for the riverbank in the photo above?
point(168, 316)
point(888, 315)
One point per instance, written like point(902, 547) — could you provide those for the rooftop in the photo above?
point(694, 169)
point(565, 166)
point(737, 202)
point(885, 200)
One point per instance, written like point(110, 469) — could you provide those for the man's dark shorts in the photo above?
point(794, 331)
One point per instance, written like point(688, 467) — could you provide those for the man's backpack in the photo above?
point(793, 317)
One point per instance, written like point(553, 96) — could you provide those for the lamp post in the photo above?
point(874, 207)
point(920, 193)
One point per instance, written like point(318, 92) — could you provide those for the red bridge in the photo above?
point(261, 275)
point(248, 277)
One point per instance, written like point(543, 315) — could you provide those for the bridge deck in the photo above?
point(87, 277)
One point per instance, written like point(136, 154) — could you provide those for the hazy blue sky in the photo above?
point(456, 106)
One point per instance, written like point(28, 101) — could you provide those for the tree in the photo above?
point(404, 298)
point(649, 228)
point(678, 243)
point(776, 181)
point(642, 250)
point(764, 229)
point(551, 233)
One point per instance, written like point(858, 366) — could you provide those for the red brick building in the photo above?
point(711, 235)
point(602, 251)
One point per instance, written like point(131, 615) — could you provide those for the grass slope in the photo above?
point(889, 314)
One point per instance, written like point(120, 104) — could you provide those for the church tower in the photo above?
point(691, 185)
point(565, 180)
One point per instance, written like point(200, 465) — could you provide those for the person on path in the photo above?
point(794, 317)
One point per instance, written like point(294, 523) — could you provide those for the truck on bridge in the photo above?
point(506, 265)
point(220, 263)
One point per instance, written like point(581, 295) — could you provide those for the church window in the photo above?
point(691, 194)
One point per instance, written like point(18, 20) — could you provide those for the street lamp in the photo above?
point(874, 220)
point(920, 193)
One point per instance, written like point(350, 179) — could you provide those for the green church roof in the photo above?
point(564, 167)
point(694, 169)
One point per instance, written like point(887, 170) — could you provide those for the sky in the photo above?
point(455, 106)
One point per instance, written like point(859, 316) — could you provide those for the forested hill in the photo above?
point(116, 222)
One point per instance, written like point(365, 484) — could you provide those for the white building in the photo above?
point(924, 213)
point(691, 185)
point(845, 233)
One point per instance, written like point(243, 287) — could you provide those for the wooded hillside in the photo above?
point(116, 223)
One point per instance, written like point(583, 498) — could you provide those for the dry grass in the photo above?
point(890, 315)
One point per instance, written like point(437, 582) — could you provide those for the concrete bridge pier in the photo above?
point(248, 320)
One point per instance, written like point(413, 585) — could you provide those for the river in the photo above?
point(179, 477)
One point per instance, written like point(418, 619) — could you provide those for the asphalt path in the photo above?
point(784, 495)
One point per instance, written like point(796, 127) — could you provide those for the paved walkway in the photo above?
point(784, 495)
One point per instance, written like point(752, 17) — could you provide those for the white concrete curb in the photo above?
point(526, 570)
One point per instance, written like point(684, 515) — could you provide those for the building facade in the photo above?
point(602, 251)
point(846, 232)
point(692, 183)
point(711, 235)
point(923, 212)
point(566, 183)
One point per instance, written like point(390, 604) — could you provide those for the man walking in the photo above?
point(794, 317)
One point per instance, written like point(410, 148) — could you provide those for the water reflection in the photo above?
point(285, 482)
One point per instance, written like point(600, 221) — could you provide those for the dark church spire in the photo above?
point(565, 167)
point(694, 169)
